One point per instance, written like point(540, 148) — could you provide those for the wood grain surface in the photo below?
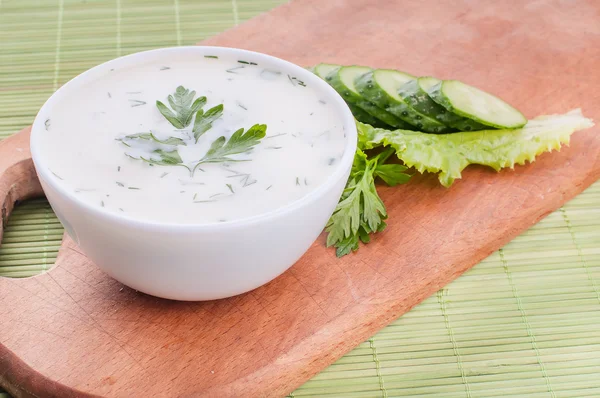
point(75, 331)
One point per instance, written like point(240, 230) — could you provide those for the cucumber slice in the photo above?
point(322, 70)
point(476, 104)
point(415, 93)
point(381, 87)
point(363, 117)
point(342, 80)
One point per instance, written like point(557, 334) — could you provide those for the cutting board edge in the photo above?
point(21, 380)
point(382, 318)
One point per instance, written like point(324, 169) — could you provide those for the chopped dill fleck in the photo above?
point(322, 102)
point(203, 201)
point(273, 136)
point(305, 181)
point(331, 161)
point(164, 174)
point(47, 124)
point(291, 80)
point(297, 181)
point(56, 175)
point(133, 188)
point(195, 195)
point(102, 203)
point(120, 184)
point(135, 103)
point(312, 113)
point(268, 74)
point(231, 70)
point(241, 106)
point(230, 188)
point(247, 63)
point(269, 187)
point(274, 147)
point(165, 68)
point(109, 96)
point(183, 182)
point(121, 209)
point(211, 56)
point(215, 195)
point(118, 168)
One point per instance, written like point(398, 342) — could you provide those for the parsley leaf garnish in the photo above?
point(204, 120)
point(151, 137)
point(360, 211)
point(160, 157)
point(392, 174)
point(183, 109)
point(221, 149)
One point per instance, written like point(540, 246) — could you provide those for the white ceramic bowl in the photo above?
point(196, 262)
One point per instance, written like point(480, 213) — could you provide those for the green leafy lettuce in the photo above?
point(449, 154)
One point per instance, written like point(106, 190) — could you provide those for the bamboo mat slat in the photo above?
point(524, 322)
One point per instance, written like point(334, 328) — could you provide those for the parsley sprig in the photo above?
point(360, 211)
point(204, 120)
point(240, 142)
point(151, 137)
point(165, 158)
point(183, 107)
point(222, 149)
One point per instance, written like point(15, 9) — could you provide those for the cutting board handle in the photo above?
point(18, 179)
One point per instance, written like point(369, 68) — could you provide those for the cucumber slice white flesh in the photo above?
point(415, 93)
point(322, 70)
point(381, 87)
point(476, 104)
point(343, 80)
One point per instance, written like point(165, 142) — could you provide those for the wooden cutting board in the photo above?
point(75, 331)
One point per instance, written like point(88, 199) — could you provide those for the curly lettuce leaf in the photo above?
point(449, 154)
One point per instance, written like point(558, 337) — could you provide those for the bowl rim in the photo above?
point(306, 75)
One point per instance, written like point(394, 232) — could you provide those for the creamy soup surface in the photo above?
point(89, 148)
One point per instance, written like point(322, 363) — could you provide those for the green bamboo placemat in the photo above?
point(524, 322)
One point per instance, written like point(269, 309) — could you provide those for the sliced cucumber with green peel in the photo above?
point(342, 80)
point(363, 117)
point(473, 103)
point(381, 87)
point(322, 70)
point(415, 93)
